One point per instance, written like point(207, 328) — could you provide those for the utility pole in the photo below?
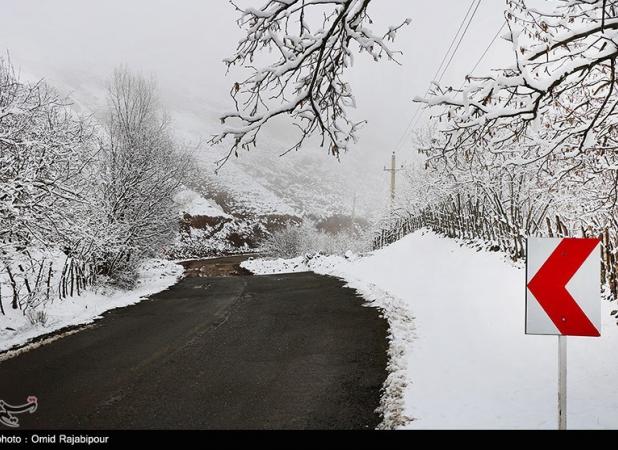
point(393, 170)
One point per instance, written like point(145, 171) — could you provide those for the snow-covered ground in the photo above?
point(458, 344)
point(154, 276)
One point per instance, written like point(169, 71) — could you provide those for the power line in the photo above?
point(467, 20)
point(463, 21)
point(460, 40)
point(448, 64)
point(411, 122)
point(488, 47)
point(408, 127)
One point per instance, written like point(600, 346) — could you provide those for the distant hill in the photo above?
point(260, 182)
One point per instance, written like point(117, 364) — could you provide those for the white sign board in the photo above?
point(563, 292)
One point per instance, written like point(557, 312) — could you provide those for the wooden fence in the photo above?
point(32, 283)
point(469, 222)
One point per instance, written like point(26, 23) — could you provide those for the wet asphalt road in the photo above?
point(270, 352)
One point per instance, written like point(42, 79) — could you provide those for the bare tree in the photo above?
point(141, 169)
point(312, 43)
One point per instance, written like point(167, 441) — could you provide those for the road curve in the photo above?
point(287, 351)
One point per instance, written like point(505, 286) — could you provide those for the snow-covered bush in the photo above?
point(80, 202)
point(45, 150)
point(37, 317)
point(295, 240)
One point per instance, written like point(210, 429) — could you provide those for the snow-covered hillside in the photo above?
point(308, 182)
point(305, 183)
point(192, 203)
point(260, 182)
point(457, 315)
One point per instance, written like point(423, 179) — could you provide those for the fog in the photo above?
point(75, 45)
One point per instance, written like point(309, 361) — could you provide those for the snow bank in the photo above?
point(458, 341)
point(194, 204)
point(155, 276)
point(309, 263)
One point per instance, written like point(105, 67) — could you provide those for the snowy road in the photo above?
point(280, 351)
point(460, 351)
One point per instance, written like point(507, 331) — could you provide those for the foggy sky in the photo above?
point(182, 42)
point(77, 44)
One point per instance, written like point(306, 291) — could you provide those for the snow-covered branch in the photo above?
point(311, 43)
point(553, 109)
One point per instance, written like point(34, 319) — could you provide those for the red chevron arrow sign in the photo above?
point(563, 294)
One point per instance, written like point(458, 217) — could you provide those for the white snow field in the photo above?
point(458, 343)
point(155, 275)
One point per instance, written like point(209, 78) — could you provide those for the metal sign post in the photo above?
point(563, 297)
point(562, 382)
